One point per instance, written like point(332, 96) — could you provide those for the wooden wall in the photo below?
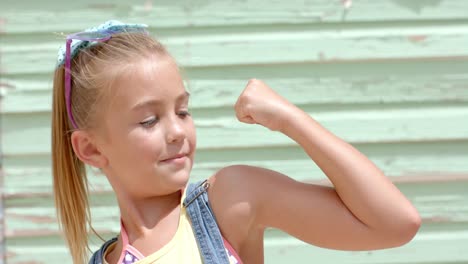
point(390, 77)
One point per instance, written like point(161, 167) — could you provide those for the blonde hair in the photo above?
point(93, 71)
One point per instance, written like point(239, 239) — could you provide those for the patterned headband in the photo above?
point(113, 26)
point(78, 41)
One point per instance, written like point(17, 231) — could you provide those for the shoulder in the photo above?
point(246, 184)
point(228, 189)
point(235, 186)
point(232, 199)
point(232, 177)
point(229, 178)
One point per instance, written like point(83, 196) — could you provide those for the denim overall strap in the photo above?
point(98, 255)
point(204, 224)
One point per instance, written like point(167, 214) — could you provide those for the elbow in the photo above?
point(410, 228)
point(405, 231)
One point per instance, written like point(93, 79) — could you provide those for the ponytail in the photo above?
point(92, 70)
point(69, 177)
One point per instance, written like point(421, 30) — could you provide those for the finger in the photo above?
point(237, 110)
point(241, 116)
point(247, 119)
point(251, 81)
point(240, 109)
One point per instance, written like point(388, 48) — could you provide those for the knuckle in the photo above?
point(253, 81)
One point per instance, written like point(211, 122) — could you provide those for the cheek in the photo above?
point(192, 135)
point(143, 145)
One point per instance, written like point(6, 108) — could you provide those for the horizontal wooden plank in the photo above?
point(388, 76)
point(435, 248)
point(253, 48)
point(396, 160)
point(443, 203)
point(20, 132)
point(423, 149)
point(30, 96)
point(164, 14)
point(397, 69)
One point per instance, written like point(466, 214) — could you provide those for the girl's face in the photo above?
point(150, 137)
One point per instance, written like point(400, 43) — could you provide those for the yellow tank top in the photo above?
point(182, 248)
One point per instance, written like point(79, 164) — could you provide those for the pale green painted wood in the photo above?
point(426, 248)
point(397, 161)
point(442, 205)
point(275, 47)
point(50, 16)
point(356, 126)
point(388, 76)
point(27, 96)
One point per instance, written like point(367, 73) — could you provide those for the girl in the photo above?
point(119, 104)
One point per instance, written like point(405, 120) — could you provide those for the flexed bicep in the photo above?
point(312, 213)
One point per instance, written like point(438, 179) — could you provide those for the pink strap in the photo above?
point(126, 247)
point(231, 251)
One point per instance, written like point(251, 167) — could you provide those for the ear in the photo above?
point(87, 150)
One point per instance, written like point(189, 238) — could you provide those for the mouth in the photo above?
point(178, 157)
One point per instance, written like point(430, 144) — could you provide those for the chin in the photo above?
point(174, 177)
point(180, 179)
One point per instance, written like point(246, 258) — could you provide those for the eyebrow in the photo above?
point(152, 102)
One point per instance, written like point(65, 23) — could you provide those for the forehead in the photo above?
point(155, 77)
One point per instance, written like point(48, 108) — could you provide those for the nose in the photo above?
point(174, 130)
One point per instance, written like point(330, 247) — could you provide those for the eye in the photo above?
point(183, 114)
point(150, 122)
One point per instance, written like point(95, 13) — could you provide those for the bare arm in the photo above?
point(362, 187)
point(363, 211)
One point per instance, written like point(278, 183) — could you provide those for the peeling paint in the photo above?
point(33, 218)
point(148, 6)
point(417, 38)
point(436, 219)
point(418, 6)
point(362, 83)
point(102, 6)
point(3, 22)
point(347, 3)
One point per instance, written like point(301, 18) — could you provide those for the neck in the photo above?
point(143, 216)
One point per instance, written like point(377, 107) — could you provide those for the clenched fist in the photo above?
point(259, 104)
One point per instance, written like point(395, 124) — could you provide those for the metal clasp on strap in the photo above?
point(205, 184)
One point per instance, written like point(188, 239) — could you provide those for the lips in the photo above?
point(178, 156)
